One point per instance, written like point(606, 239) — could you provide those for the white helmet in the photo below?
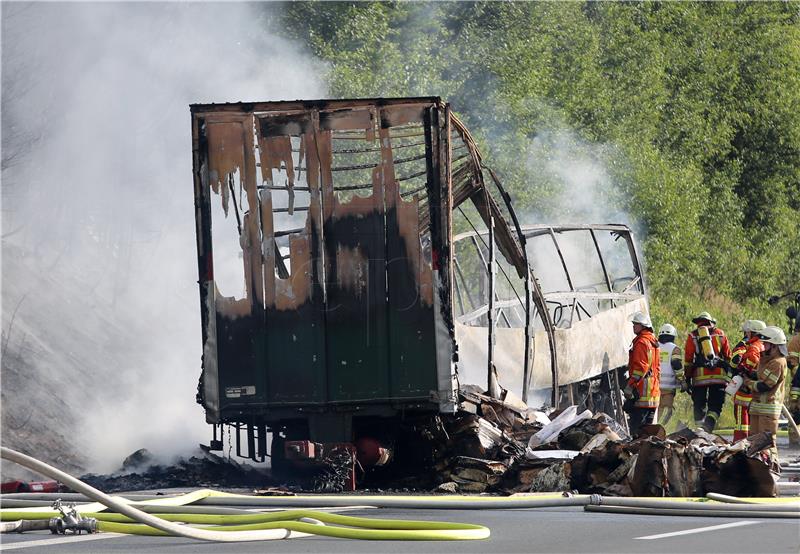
point(704, 316)
point(772, 335)
point(753, 326)
point(642, 319)
point(668, 329)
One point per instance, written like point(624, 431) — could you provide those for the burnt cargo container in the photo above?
point(332, 297)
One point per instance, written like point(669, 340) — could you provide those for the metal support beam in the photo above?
point(493, 385)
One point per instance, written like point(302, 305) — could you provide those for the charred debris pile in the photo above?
point(504, 447)
point(140, 471)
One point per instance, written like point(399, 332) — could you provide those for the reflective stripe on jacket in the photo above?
point(746, 355)
point(793, 359)
point(742, 397)
point(737, 352)
point(697, 368)
point(771, 372)
point(666, 352)
point(644, 369)
point(749, 360)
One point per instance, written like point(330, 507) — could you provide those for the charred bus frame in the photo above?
point(343, 229)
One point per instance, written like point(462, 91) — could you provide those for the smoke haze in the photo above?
point(101, 331)
point(576, 175)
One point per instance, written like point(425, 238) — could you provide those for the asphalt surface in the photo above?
point(551, 530)
point(543, 530)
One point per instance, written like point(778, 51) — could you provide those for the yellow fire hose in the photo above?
point(270, 527)
point(356, 527)
point(302, 522)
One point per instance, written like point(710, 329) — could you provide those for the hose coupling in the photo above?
point(70, 521)
point(595, 499)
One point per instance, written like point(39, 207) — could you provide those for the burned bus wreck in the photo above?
point(360, 271)
point(588, 277)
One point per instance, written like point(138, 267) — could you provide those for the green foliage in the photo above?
point(691, 109)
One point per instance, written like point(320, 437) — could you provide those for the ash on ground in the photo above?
point(204, 469)
point(500, 447)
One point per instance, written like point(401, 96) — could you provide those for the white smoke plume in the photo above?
point(575, 183)
point(101, 331)
point(576, 175)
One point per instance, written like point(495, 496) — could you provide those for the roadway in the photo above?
point(554, 530)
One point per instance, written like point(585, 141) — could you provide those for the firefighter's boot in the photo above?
point(665, 415)
point(710, 422)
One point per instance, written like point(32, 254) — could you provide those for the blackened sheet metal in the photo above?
point(310, 105)
point(348, 278)
point(341, 310)
point(438, 158)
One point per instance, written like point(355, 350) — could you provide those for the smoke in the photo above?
point(576, 177)
point(575, 184)
point(101, 330)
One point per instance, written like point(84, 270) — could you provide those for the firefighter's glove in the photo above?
point(677, 366)
point(723, 364)
point(627, 392)
point(794, 401)
point(685, 382)
point(628, 406)
point(631, 393)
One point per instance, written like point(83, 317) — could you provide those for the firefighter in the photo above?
point(642, 390)
point(767, 386)
point(793, 363)
point(671, 377)
point(705, 355)
point(744, 362)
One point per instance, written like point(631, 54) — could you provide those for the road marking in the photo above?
point(61, 541)
point(698, 530)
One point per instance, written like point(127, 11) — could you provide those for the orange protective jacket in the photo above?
point(751, 356)
point(696, 369)
point(747, 363)
point(644, 370)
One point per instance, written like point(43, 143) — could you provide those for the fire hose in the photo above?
point(237, 526)
point(283, 525)
point(656, 506)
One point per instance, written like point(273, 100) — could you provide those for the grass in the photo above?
point(683, 413)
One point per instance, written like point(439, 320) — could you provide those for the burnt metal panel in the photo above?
point(343, 211)
point(410, 307)
point(339, 282)
point(356, 286)
point(294, 306)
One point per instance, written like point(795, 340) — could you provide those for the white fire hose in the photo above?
point(139, 515)
point(726, 507)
